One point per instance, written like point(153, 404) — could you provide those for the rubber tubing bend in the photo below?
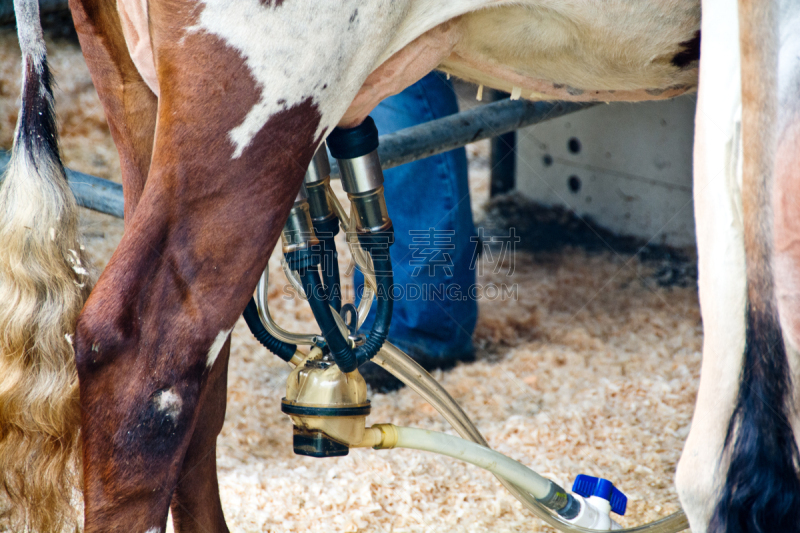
point(284, 350)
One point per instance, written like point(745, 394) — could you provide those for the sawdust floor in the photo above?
point(591, 368)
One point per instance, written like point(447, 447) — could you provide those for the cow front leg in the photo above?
point(195, 504)
point(150, 334)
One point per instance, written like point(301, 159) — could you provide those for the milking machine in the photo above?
point(326, 396)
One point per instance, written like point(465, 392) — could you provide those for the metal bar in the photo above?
point(444, 134)
point(503, 163)
point(502, 155)
point(90, 191)
point(397, 148)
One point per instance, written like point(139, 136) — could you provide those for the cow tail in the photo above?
point(761, 490)
point(44, 281)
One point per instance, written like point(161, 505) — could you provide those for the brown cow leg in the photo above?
point(130, 108)
point(129, 104)
point(151, 407)
point(195, 503)
point(148, 339)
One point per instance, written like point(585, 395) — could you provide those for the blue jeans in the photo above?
point(428, 202)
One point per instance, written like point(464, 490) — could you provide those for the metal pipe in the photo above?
point(410, 144)
point(454, 131)
point(90, 192)
point(502, 155)
point(274, 329)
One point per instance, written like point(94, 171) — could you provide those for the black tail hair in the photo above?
point(762, 488)
point(37, 132)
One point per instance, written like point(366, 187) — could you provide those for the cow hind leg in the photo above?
point(721, 260)
point(738, 472)
point(761, 489)
point(130, 107)
point(149, 434)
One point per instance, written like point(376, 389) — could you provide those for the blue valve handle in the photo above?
point(592, 486)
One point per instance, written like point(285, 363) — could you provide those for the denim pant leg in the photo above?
point(428, 201)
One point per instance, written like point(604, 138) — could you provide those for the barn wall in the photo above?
point(626, 165)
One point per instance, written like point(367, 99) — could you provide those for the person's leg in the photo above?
point(428, 201)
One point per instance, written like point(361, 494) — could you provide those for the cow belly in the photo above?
point(596, 51)
point(542, 49)
point(582, 50)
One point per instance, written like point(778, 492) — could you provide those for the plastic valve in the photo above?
point(597, 498)
point(588, 486)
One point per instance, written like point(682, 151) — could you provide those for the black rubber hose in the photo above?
point(346, 358)
point(284, 350)
point(383, 313)
point(340, 349)
point(330, 273)
point(325, 232)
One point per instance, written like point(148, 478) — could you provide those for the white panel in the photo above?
point(626, 165)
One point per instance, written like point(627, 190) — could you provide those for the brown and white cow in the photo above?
point(216, 107)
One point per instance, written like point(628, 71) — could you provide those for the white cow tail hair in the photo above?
point(44, 281)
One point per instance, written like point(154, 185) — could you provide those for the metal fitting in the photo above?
point(362, 179)
point(317, 181)
point(320, 168)
point(320, 207)
point(361, 174)
point(371, 213)
point(298, 232)
point(302, 195)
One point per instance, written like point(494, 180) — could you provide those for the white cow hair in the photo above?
point(288, 74)
point(29, 32)
point(216, 346)
point(788, 66)
point(721, 259)
point(169, 402)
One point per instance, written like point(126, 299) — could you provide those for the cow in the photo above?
point(739, 468)
point(216, 108)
